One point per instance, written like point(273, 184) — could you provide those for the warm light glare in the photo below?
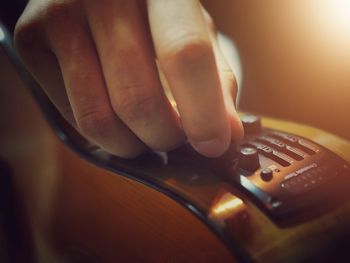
point(341, 11)
point(228, 205)
point(336, 15)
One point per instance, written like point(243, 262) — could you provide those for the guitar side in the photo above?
point(77, 211)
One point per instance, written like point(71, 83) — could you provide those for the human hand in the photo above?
point(98, 63)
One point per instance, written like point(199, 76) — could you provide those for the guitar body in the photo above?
point(78, 212)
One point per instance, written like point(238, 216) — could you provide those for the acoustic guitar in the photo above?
point(281, 195)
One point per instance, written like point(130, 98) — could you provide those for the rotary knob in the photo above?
point(248, 159)
point(251, 124)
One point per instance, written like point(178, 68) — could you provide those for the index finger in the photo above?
point(186, 56)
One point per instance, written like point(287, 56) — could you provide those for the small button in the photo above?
point(266, 174)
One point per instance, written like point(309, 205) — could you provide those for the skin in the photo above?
point(100, 64)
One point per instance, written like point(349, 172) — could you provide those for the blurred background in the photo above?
point(295, 58)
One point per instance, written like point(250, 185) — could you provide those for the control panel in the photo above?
point(284, 174)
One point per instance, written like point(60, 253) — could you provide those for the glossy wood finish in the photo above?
point(77, 211)
point(267, 242)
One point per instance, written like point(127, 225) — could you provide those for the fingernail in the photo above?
point(211, 148)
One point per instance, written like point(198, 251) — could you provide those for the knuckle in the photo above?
point(27, 33)
point(135, 103)
point(64, 29)
point(60, 19)
point(94, 123)
point(187, 49)
point(38, 21)
point(58, 11)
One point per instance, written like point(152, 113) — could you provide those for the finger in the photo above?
point(187, 59)
point(43, 65)
point(227, 79)
point(83, 78)
point(131, 74)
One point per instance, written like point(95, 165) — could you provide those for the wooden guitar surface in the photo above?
point(81, 213)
